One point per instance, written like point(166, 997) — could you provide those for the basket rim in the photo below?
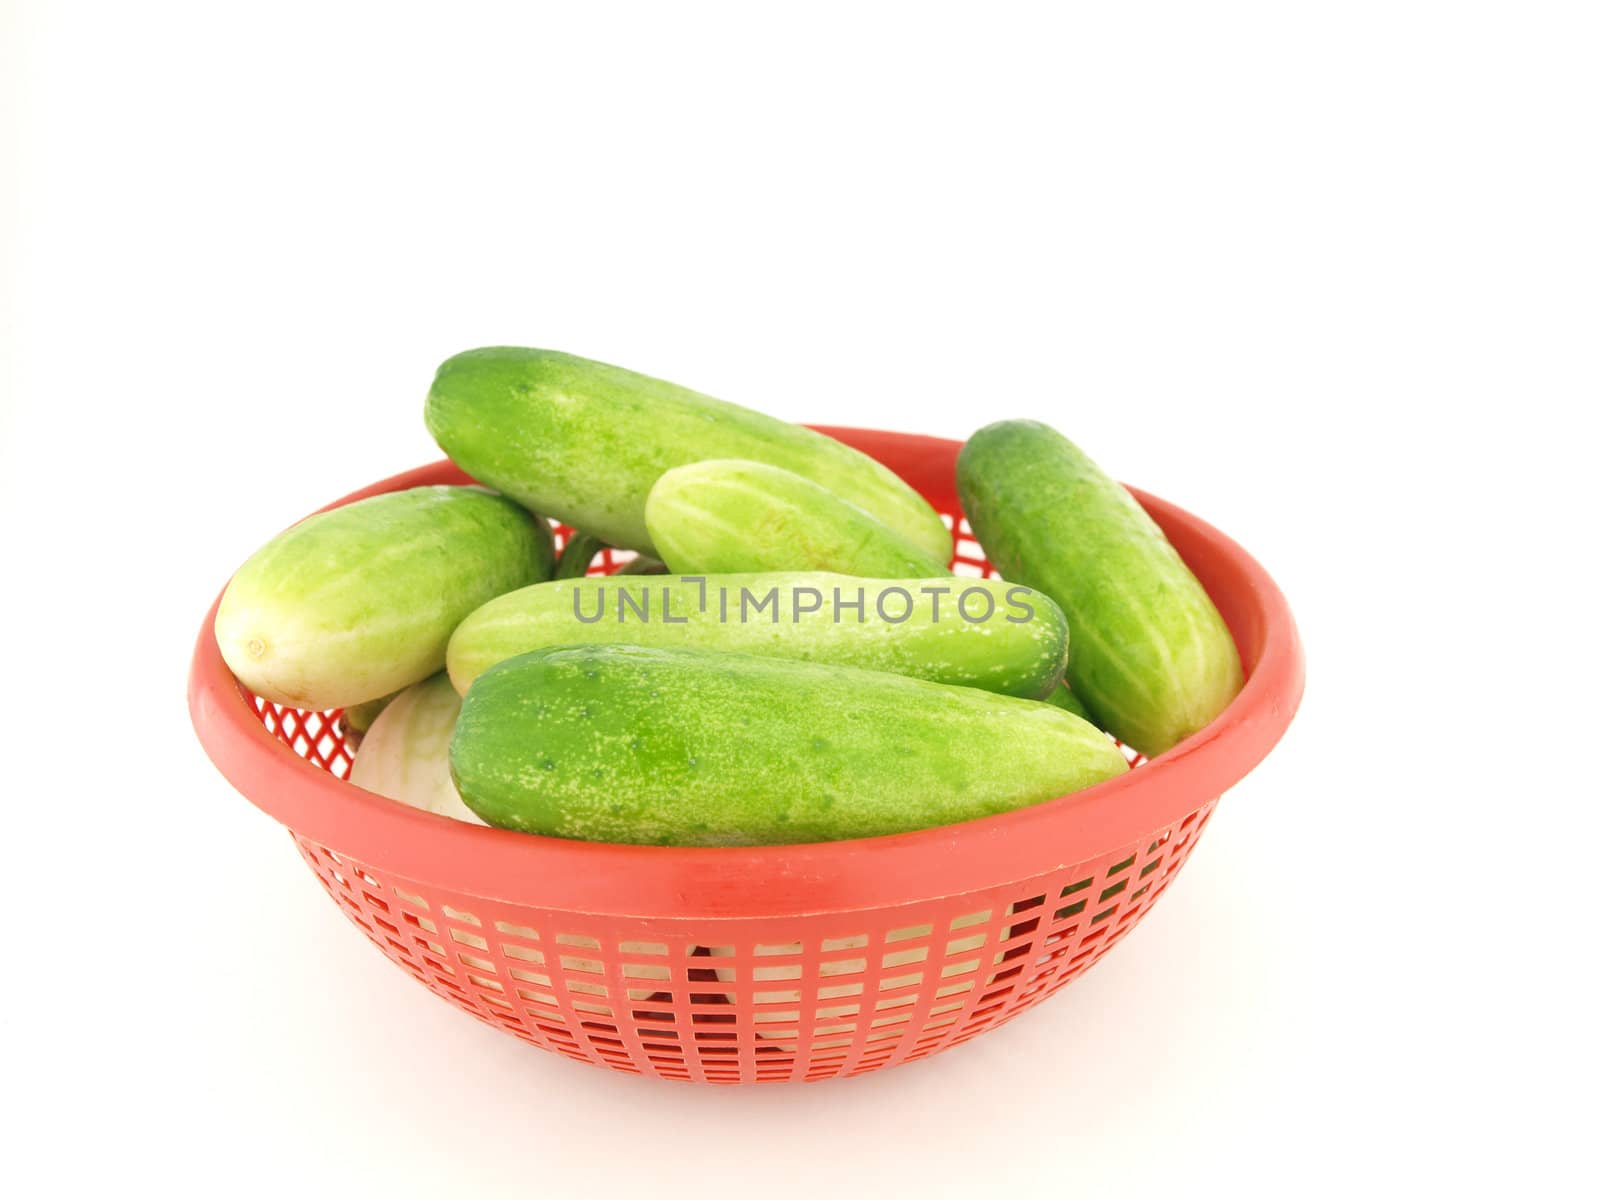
point(608, 879)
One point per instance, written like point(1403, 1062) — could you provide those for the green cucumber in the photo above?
point(405, 755)
point(1062, 697)
point(642, 564)
point(702, 747)
point(584, 442)
point(358, 718)
point(983, 633)
point(576, 556)
point(722, 516)
point(1152, 659)
point(360, 601)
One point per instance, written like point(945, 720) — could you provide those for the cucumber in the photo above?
point(584, 442)
point(1062, 697)
point(576, 556)
point(405, 755)
point(360, 601)
point(729, 515)
point(703, 747)
point(358, 718)
point(974, 632)
point(642, 564)
point(1152, 659)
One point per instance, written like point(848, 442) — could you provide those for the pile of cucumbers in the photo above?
point(787, 658)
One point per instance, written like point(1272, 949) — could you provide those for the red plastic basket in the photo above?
point(773, 963)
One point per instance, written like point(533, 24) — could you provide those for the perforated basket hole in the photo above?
point(318, 737)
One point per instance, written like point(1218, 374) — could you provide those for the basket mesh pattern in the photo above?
point(735, 1000)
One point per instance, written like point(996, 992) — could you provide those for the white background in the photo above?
point(1325, 274)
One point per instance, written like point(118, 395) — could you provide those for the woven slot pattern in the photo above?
point(737, 1001)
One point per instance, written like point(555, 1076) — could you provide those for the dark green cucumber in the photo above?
point(642, 564)
point(983, 633)
point(702, 747)
point(722, 516)
point(360, 601)
point(576, 556)
point(584, 442)
point(1152, 659)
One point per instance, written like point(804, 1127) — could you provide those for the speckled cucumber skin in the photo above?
point(360, 601)
point(706, 748)
point(723, 516)
point(1018, 647)
point(405, 754)
point(1152, 659)
point(584, 442)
